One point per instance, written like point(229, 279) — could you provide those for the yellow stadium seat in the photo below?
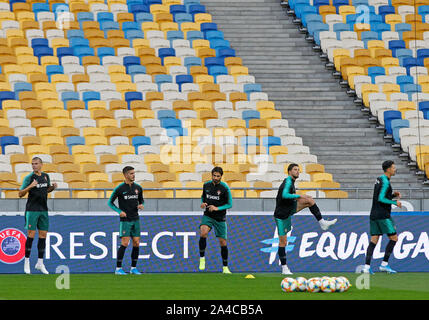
point(48, 131)
point(168, 26)
point(148, 26)
point(201, 79)
point(405, 106)
point(82, 194)
point(200, 43)
point(37, 149)
point(96, 140)
point(51, 140)
point(159, 8)
point(238, 71)
point(105, 123)
point(393, 19)
point(202, 18)
point(189, 26)
point(82, 150)
point(321, 177)
point(83, 159)
point(422, 151)
point(124, 149)
point(366, 90)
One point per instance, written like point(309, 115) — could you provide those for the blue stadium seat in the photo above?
point(69, 95)
point(390, 115)
point(74, 141)
point(248, 115)
point(219, 44)
point(395, 45)
point(130, 25)
point(182, 17)
point(225, 52)
point(310, 18)
point(105, 51)
point(177, 8)
point(105, 16)
point(79, 42)
point(424, 106)
point(139, 8)
point(402, 80)
point(40, 7)
point(196, 8)
point(6, 95)
point(302, 10)
point(134, 34)
point(136, 69)
point(423, 10)
point(171, 123)
point(131, 96)
point(268, 142)
point(375, 72)
point(397, 124)
point(85, 16)
point(54, 69)
point(209, 35)
point(181, 79)
point(40, 52)
point(174, 35)
point(166, 52)
point(21, 86)
point(75, 33)
point(385, 10)
point(140, 141)
point(402, 54)
point(8, 140)
point(143, 17)
point(216, 70)
point(213, 61)
point(252, 87)
point(163, 78)
point(166, 114)
point(194, 35)
point(130, 61)
point(408, 63)
point(109, 25)
point(208, 26)
point(39, 42)
point(192, 61)
point(89, 96)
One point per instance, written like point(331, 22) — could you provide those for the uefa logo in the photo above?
point(12, 245)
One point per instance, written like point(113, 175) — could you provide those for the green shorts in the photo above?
point(220, 227)
point(283, 225)
point(382, 226)
point(37, 219)
point(129, 228)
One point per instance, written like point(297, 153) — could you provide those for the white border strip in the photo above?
point(182, 213)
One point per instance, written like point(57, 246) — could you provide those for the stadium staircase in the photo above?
point(316, 106)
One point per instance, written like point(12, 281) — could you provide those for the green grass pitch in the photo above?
point(204, 286)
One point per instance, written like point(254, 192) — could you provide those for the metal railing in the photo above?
point(353, 193)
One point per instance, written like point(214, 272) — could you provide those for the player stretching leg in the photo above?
point(380, 220)
point(130, 200)
point(37, 184)
point(216, 199)
point(289, 203)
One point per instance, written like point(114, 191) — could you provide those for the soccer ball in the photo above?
point(328, 285)
point(301, 284)
point(314, 284)
point(346, 283)
point(289, 284)
point(340, 284)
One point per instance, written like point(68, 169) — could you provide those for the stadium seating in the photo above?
point(152, 84)
point(383, 59)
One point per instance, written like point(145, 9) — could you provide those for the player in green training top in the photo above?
point(287, 204)
point(130, 200)
point(380, 221)
point(215, 200)
point(37, 184)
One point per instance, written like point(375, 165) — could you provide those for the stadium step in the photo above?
point(309, 97)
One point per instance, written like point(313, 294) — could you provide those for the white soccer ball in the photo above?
point(289, 284)
point(301, 284)
point(328, 285)
point(340, 284)
point(346, 281)
point(314, 284)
